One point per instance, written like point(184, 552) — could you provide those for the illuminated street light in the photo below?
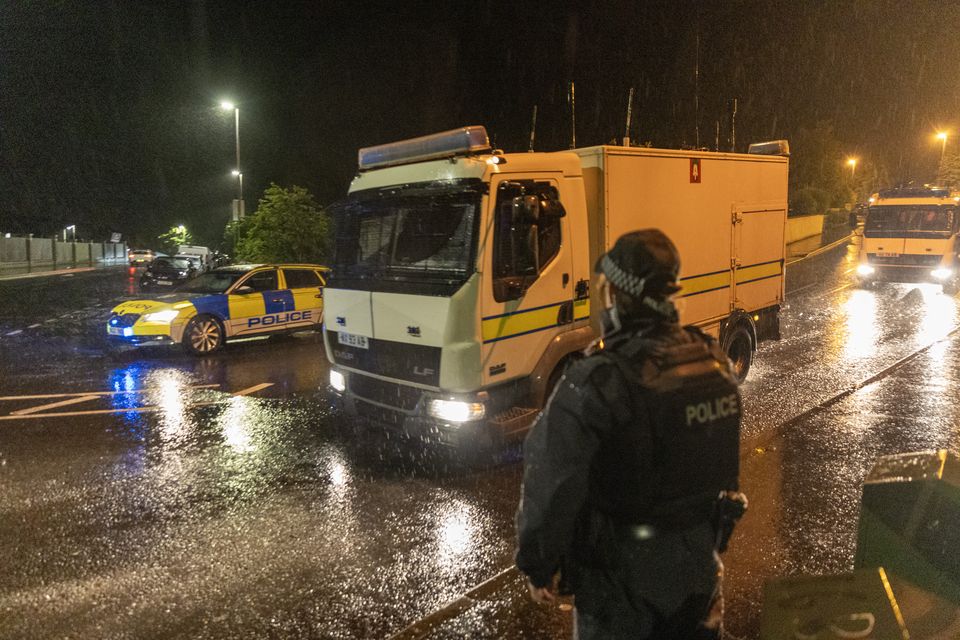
point(226, 105)
point(942, 137)
point(852, 163)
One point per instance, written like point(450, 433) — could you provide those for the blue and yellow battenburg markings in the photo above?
point(717, 280)
point(526, 321)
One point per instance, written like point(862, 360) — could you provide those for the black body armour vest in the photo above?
point(676, 444)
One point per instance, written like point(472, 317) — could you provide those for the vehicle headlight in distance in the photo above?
point(865, 270)
point(166, 316)
point(456, 410)
point(338, 381)
point(941, 274)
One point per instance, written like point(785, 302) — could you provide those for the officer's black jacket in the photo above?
point(590, 400)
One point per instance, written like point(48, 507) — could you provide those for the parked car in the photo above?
point(140, 256)
point(224, 303)
point(167, 273)
point(195, 260)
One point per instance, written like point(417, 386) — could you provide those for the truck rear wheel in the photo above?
point(739, 348)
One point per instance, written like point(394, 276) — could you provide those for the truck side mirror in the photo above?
point(527, 259)
point(526, 210)
point(551, 208)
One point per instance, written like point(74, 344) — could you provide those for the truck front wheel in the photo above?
point(739, 348)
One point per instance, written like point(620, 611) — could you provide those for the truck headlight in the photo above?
point(865, 270)
point(941, 274)
point(164, 317)
point(338, 381)
point(456, 410)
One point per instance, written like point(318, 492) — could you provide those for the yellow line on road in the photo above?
point(43, 396)
point(53, 405)
point(94, 412)
point(253, 389)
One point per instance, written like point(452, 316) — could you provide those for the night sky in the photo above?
point(110, 118)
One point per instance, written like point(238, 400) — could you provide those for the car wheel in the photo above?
point(203, 335)
point(739, 348)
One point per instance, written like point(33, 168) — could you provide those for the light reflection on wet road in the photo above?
point(215, 515)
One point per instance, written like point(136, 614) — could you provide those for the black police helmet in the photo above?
point(641, 263)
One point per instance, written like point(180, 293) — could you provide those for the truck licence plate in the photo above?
point(887, 254)
point(351, 340)
point(164, 282)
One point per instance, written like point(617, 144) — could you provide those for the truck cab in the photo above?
point(910, 235)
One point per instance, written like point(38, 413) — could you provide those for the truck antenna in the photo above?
point(626, 132)
point(696, 84)
point(533, 129)
point(572, 99)
point(733, 127)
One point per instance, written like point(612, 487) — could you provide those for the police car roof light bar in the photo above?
point(447, 144)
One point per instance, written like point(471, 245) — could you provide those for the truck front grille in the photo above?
point(381, 392)
point(906, 260)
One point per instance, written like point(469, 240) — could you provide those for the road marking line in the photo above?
point(13, 333)
point(92, 412)
point(33, 326)
point(52, 405)
point(253, 389)
point(425, 625)
point(98, 393)
point(49, 321)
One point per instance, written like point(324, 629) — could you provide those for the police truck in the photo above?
point(461, 284)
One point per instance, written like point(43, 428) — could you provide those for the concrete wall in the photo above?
point(64, 253)
point(30, 254)
point(801, 227)
point(13, 250)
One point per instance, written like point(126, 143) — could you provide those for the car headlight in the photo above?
point(865, 270)
point(456, 410)
point(166, 316)
point(338, 381)
point(941, 274)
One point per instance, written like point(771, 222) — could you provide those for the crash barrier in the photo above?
point(800, 227)
point(36, 254)
point(906, 581)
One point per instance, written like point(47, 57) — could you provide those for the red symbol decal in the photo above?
point(695, 170)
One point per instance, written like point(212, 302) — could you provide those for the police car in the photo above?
point(228, 302)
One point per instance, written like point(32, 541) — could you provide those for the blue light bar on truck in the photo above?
point(451, 143)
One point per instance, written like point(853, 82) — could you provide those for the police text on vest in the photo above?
point(705, 412)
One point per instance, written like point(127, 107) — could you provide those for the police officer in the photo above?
point(630, 478)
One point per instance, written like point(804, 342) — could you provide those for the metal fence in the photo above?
point(29, 253)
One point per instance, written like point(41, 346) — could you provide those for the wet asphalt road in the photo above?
point(236, 502)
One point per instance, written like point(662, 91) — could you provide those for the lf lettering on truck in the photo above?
point(462, 278)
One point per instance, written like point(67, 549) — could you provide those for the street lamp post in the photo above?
point(229, 106)
point(852, 163)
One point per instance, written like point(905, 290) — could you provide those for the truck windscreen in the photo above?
point(909, 219)
point(407, 234)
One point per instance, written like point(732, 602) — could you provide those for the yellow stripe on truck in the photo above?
point(508, 326)
point(759, 272)
point(701, 284)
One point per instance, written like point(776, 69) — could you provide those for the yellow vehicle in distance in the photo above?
point(229, 302)
point(910, 235)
